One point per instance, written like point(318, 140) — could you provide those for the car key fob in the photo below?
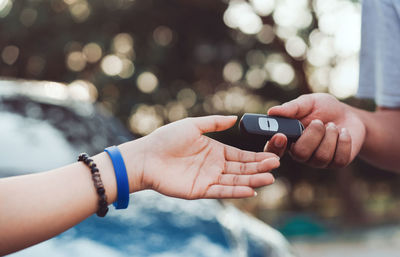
point(264, 125)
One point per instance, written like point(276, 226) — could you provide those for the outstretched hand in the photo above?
point(333, 136)
point(180, 161)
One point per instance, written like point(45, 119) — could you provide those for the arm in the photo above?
point(336, 133)
point(175, 160)
point(381, 146)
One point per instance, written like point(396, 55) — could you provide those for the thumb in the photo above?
point(214, 123)
point(296, 109)
point(277, 144)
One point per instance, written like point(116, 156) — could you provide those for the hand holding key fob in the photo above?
point(264, 125)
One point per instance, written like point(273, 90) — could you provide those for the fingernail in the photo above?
point(274, 157)
point(279, 142)
point(317, 121)
point(344, 134)
point(255, 194)
point(331, 125)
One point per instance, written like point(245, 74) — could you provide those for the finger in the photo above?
point(277, 144)
point(343, 150)
point(251, 167)
point(305, 146)
point(326, 150)
point(297, 108)
point(237, 155)
point(256, 180)
point(221, 191)
point(213, 123)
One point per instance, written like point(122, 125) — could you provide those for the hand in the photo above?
point(333, 136)
point(180, 161)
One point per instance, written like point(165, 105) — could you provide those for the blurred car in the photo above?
point(45, 125)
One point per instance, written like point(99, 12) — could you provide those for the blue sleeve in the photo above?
point(380, 52)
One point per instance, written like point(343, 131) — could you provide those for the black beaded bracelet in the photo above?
point(103, 205)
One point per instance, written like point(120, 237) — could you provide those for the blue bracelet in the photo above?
point(121, 177)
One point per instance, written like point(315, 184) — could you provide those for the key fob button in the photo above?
point(268, 124)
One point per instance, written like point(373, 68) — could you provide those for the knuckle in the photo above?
point(242, 167)
point(301, 153)
point(340, 162)
point(320, 162)
point(323, 157)
point(304, 97)
point(217, 125)
point(250, 181)
point(235, 179)
point(219, 179)
point(324, 96)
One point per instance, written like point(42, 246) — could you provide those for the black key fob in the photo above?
point(264, 125)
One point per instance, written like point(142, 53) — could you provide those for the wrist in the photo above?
point(133, 153)
point(363, 117)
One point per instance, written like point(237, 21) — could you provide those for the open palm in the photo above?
point(182, 162)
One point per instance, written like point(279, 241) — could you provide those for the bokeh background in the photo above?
point(151, 62)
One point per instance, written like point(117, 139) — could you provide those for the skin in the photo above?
point(176, 160)
point(336, 133)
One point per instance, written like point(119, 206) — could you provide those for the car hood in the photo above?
point(156, 225)
point(42, 120)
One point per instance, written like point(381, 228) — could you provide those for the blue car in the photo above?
point(43, 126)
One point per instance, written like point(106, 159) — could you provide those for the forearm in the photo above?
point(39, 206)
point(175, 160)
point(381, 146)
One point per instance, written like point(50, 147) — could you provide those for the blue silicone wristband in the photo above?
point(121, 177)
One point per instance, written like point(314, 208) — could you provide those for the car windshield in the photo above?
point(34, 127)
point(33, 136)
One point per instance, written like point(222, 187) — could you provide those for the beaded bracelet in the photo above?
point(103, 205)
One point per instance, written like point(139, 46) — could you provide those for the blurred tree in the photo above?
point(182, 43)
